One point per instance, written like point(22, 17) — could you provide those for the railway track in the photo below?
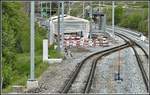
point(132, 44)
point(139, 60)
point(135, 43)
point(89, 79)
point(95, 57)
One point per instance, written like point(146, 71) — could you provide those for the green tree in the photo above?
point(16, 18)
point(131, 21)
point(118, 14)
point(16, 40)
point(143, 27)
point(108, 12)
point(134, 20)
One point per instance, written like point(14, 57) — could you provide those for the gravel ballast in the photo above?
point(130, 73)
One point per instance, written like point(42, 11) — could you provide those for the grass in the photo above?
point(21, 68)
point(21, 72)
point(53, 53)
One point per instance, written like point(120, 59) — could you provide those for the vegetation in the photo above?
point(16, 46)
point(76, 9)
point(136, 19)
point(53, 53)
point(133, 15)
point(16, 38)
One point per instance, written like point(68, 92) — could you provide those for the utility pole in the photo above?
point(58, 37)
point(62, 26)
point(113, 28)
point(83, 9)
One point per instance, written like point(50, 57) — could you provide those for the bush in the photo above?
point(7, 75)
point(22, 64)
point(53, 53)
point(136, 19)
point(131, 21)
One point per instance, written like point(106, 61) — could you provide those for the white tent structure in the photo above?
point(71, 25)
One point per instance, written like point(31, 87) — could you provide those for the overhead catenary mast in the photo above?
point(50, 37)
point(32, 42)
point(41, 8)
point(69, 9)
point(62, 25)
point(83, 9)
point(113, 28)
point(91, 12)
point(32, 83)
point(46, 8)
point(99, 6)
point(58, 37)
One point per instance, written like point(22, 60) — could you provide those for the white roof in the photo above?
point(68, 18)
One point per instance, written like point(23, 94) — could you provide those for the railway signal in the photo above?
point(43, 10)
point(117, 75)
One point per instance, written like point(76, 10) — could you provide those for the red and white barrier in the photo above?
point(76, 41)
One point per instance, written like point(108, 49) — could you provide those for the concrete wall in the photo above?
point(45, 49)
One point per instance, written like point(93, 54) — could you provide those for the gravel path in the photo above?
point(53, 79)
